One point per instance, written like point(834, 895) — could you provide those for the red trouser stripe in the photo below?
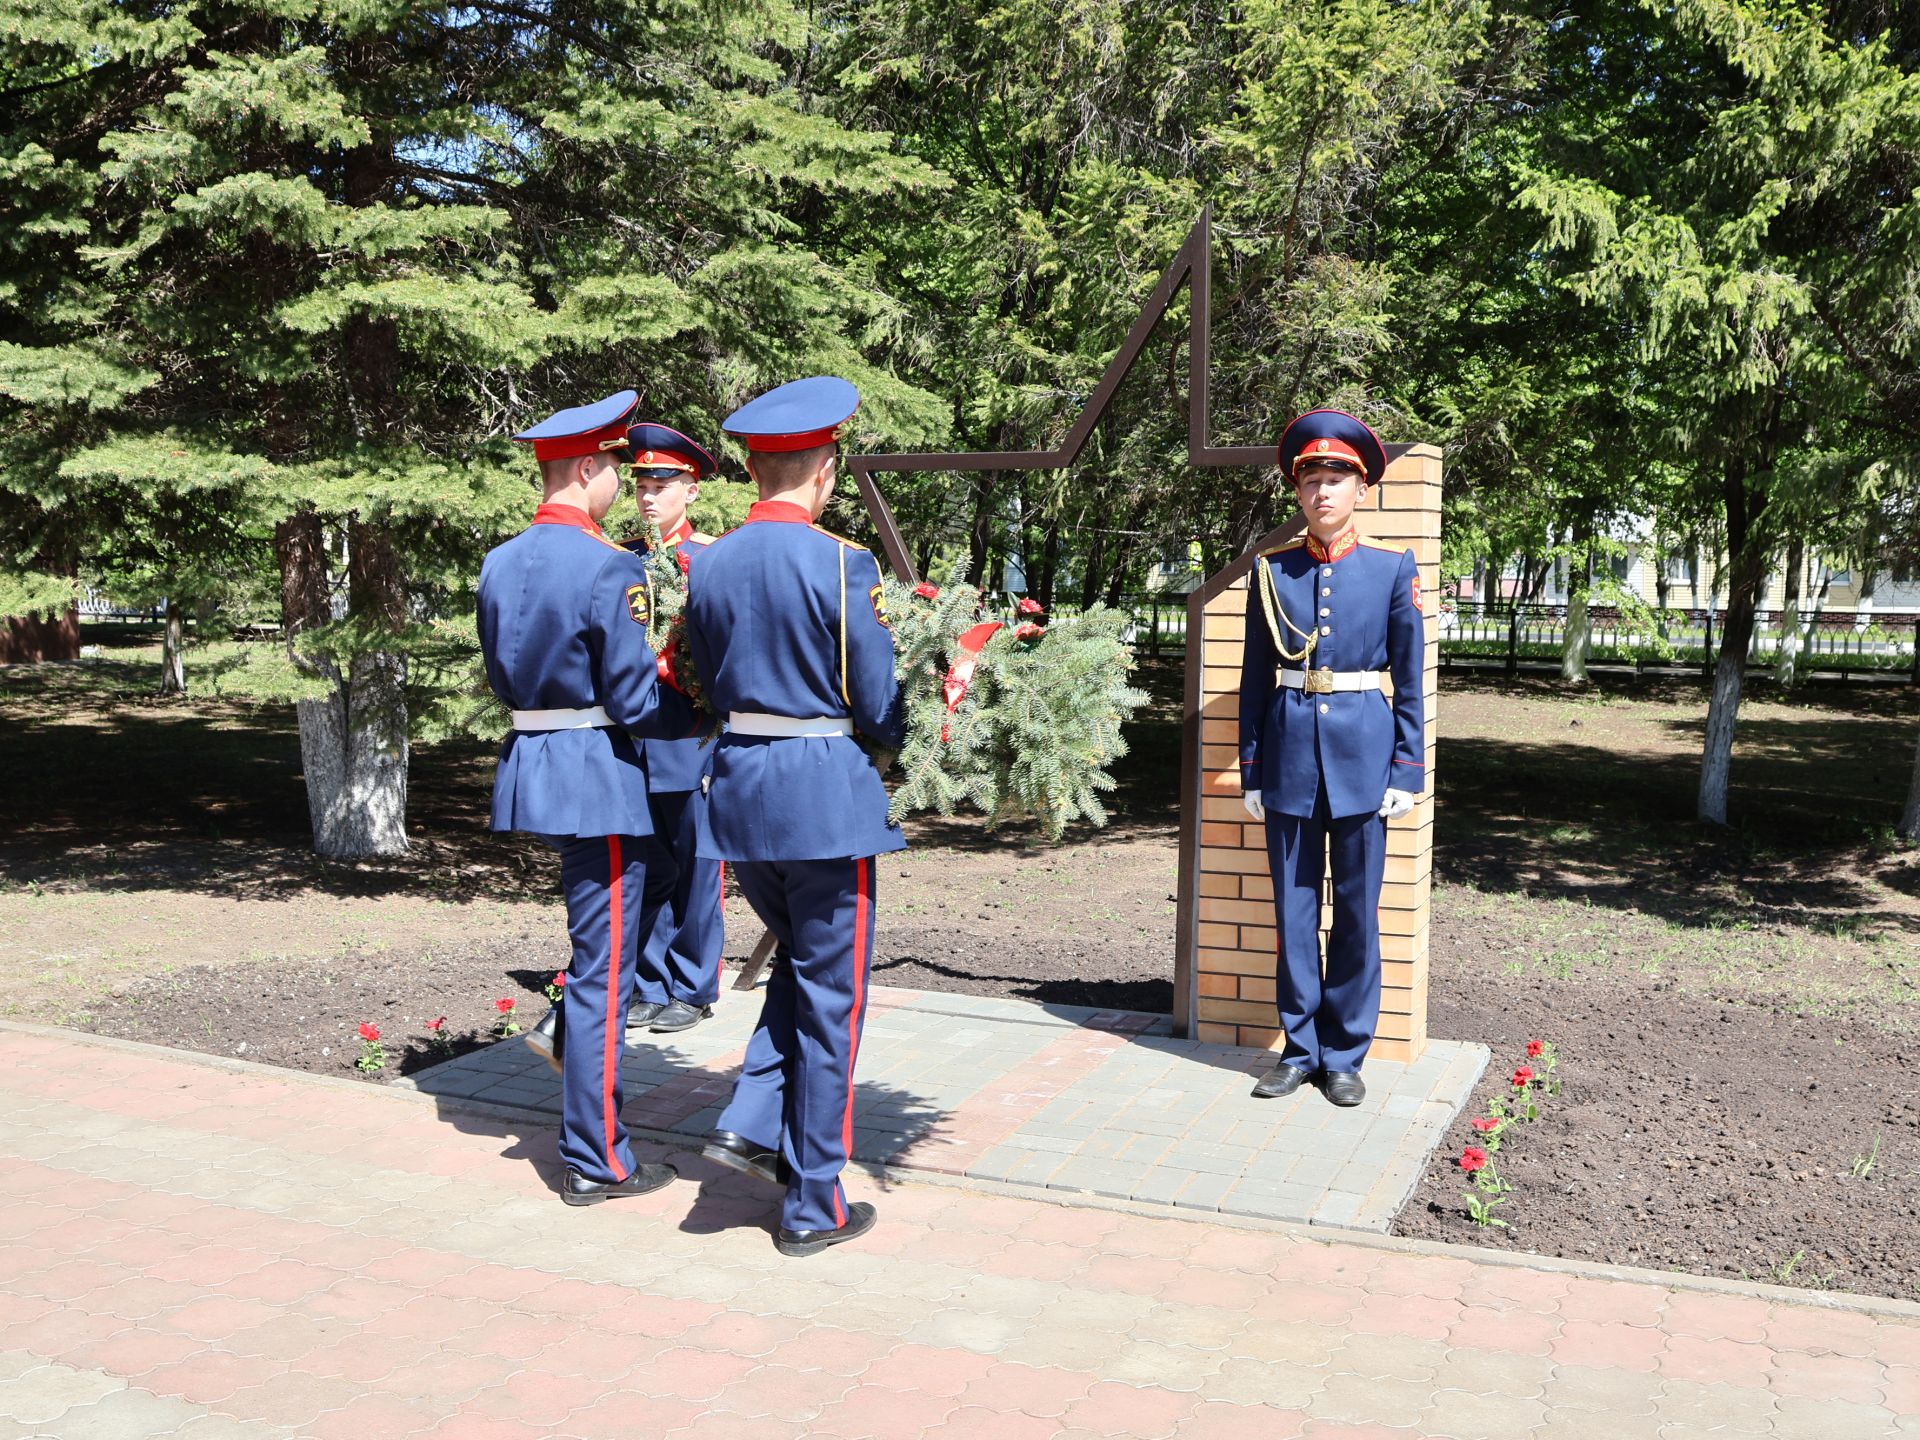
point(862, 930)
point(610, 1030)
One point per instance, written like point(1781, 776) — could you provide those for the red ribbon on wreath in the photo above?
point(966, 655)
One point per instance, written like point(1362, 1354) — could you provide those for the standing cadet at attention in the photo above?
point(679, 974)
point(788, 631)
point(1325, 759)
point(563, 627)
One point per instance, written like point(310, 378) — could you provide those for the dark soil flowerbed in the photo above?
point(1734, 1008)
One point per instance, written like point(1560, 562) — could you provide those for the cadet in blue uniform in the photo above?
point(789, 633)
point(679, 974)
point(1325, 759)
point(563, 626)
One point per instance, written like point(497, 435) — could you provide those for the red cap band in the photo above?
point(593, 442)
point(1326, 448)
point(786, 444)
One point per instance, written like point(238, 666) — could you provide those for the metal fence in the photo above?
point(95, 605)
point(1838, 641)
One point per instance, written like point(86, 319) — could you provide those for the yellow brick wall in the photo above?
point(1232, 895)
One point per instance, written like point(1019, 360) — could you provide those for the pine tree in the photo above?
point(327, 253)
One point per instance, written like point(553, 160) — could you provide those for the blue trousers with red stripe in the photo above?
point(681, 958)
point(604, 878)
point(1329, 1018)
point(795, 1093)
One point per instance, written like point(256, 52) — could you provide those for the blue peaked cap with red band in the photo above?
point(1336, 436)
point(657, 447)
point(583, 430)
point(796, 416)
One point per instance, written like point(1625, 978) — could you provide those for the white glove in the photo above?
point(1397, 803)
point(1251, 799)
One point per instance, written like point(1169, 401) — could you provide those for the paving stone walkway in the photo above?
point(198, 1248)
point(1057, 1098)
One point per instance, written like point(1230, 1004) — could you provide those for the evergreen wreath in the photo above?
point(1016, 718)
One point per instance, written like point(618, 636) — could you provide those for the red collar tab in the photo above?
point(1328, 448)
point(784, 510)
point(1343, 543)
point(679, 536)
point(554, 514)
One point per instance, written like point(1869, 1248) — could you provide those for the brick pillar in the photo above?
point(1225, 961)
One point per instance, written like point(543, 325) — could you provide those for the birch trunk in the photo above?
point(173, 669)
point(1786, 664)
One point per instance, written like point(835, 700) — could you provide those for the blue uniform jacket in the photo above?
point(784, 618)
point(675, 766)
point(563, 614)
point(1362, 600)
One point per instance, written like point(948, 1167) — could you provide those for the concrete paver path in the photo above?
point(201, 1249)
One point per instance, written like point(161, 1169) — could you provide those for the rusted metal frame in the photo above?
point(1192, 264)
point(750, 972)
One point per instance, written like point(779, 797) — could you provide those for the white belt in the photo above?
point(1325, 682)
point(785, 727)
point(592, 718)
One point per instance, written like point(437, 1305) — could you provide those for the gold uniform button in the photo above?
point(1326, 589)
point(1325, 611)
point(1323, 708)
point(1326, 629)
point(1326, 570)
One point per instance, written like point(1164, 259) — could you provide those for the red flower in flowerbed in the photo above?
point(369, 1031)
point(1029, 631)
point(926, 591)
point(372, 1055)
point(1486, 1124)
point(1473, 1158)
point(1030, 606)
point(1535, 1049)
point(506, 1025)
point(1523, 1077)
point(433, 1026)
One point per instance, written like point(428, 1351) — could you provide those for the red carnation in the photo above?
point(434, 1025)
point(1029, 631)
point(926, 591)
point(505, 1007)
point(559, 977)
point(1473, 1158)
point(1030, 606)
point(1486, 1125)
point(1535, 1049)
point(369, 1031)
point(1523, 1077)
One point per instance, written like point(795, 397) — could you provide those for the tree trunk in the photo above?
point(1049, 564)
point(1746, 572)
point(980, 536)
point(173, 670)
point(1579, 629)
point(1910, 817)
point(353, 741)
point(1786, 664)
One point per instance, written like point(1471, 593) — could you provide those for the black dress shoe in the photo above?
point(641, 1016)
point(736, 1152)
point(678, 1015)
point(548, 1038)
point(576, 1189)
point(1283, 1079)
point(1344, 1087)
point(812, 1242)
